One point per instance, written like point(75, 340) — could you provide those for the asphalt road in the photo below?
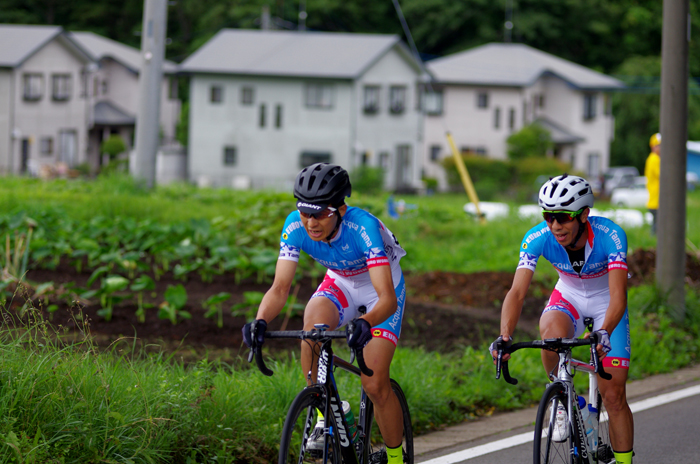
point(663, 433)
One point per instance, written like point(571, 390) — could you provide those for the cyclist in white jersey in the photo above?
point(362, 257)
point(590, 255)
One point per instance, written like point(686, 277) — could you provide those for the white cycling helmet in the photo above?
point(565, 193)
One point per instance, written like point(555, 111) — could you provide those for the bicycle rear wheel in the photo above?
point(604, 453)
point(374, 448)
point(546, 450)
point(300, 421)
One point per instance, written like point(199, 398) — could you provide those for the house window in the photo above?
point(397, 99)
point(482, 100)
point(319, 96)
point(371, 99)
point(384, 160)
point(46, 146)
point(511, 119)
point(60, 87)
point(247, 96)
point(607, 104)
point(435, 152)
point(589, 106)
point(481, 151)
point(33, 87)
point(593, 165)
point(278, 116)
point(497, 118)
point(432, 102)
point(308, 158)
point(95, 86)
point(230, 156)
point(540, 101)
point(105, 86)
point(172, 88)
point(262, 114)
point(216, 94)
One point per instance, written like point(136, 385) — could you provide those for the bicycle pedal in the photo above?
point(379, 457)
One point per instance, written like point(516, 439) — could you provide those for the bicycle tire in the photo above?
point(604, 453)
point(374, 451)
point(546, 450)
point(298, 425)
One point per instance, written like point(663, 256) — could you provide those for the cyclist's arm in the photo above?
point(617, 280)
point(276, 297)
point(387, 304)
point(513, 303)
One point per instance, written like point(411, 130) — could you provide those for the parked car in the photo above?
point(618, 176)
point(635, 195)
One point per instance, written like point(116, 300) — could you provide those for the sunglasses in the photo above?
point(562, 217)
point(325, 214)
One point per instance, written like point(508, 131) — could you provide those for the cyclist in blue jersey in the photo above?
point(590, 256)
point(362, 257)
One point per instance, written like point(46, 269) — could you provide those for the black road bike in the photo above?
point(576, 448)
point(338, 446)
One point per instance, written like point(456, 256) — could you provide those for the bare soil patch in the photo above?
point(445, 310)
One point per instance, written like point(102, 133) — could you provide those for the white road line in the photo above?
point(523, 438)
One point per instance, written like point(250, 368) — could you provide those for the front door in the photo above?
point(24, 162)
point(67, 147)
point(403, 168)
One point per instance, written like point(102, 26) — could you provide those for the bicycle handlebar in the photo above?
point(552, 344)
point(316, 335)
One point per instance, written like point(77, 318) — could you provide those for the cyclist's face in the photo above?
point(318, 229)
point(565, 233)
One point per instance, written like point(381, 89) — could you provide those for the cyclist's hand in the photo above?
point(494, 350)
point(254, 329)
point(359, 333)
point(604, 346)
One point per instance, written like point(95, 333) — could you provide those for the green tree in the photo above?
point(532, 140)
point(113, 146)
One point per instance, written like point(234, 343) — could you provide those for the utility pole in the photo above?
point(670, 248)
point(150, 78)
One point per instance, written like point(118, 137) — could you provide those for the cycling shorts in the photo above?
point(578, 307)
point(348, 298)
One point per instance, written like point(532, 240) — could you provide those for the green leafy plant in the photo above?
point(249, 306)
point(175, 300)
point(140, 285)
point(109, 286)
point(213, 306)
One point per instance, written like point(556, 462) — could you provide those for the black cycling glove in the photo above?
point(359, 333)
point(259, 327)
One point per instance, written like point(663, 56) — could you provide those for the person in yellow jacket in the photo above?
point(652, 170)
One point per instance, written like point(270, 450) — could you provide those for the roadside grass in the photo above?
point(66, 402)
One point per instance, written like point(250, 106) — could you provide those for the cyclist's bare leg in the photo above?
point(554, 324)
point(319, 310)
point(620, 416)
point(387, 410)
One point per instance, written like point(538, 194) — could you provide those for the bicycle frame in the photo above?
point(566, 377)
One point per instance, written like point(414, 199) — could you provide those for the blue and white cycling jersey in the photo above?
point(362, 242)
point(606, 248)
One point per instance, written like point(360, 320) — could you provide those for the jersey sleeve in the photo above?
point(291, 240)
point(616, 249)
point(531, 247)
point(373, 244)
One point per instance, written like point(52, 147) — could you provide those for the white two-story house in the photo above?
point(483, 95)
point(113, 92)
point(263, 104)
point(43, 101)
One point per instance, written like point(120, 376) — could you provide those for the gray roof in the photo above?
point(19, 42)
point(558, 133)
point(287, 53)
point(108, 114)
point(514, 65)
point(101, 47)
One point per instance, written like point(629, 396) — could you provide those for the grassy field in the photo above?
point(69, 403)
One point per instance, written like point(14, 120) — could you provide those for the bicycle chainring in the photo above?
point(605, 453)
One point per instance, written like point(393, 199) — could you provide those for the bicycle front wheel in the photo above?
point(551, 448)
point(300, 421)
point(374, 451)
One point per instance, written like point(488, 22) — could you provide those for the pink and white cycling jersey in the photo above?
point(606, 249)
point(362, 242)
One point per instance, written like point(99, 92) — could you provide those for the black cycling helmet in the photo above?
point(320, 185)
